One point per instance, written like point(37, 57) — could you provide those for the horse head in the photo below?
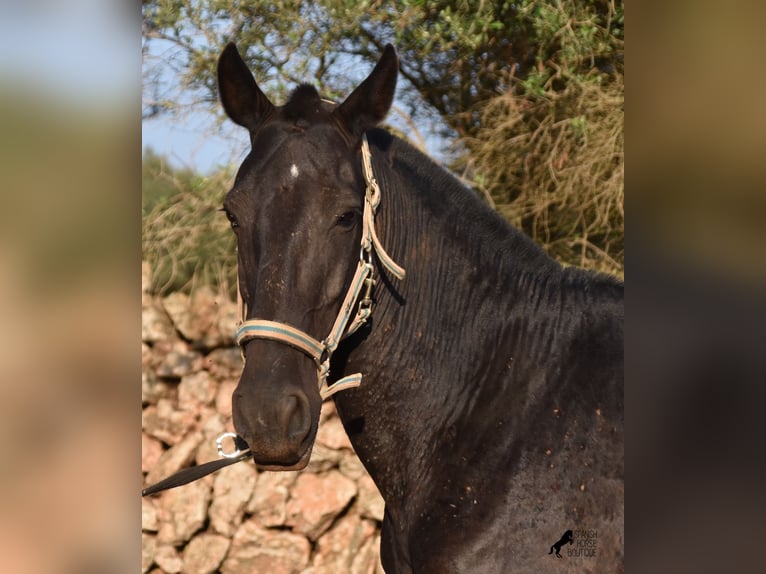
point(298, 210)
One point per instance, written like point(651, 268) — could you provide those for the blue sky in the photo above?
point(195, 141)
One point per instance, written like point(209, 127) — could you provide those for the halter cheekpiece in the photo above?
point(357, 302)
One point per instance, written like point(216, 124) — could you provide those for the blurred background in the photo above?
point(70, 78)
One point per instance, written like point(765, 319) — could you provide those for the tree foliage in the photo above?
point(185, 237)
point(530, 92)
point(554, 166)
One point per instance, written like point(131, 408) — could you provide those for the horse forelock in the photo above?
point(304, 104)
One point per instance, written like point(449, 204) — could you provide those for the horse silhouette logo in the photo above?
point(566, 538)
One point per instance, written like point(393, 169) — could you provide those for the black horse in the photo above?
point(491, 408)
point(566, 538)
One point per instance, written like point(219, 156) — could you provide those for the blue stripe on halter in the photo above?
point(280, 332)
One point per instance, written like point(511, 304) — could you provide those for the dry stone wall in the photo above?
point(322, 520)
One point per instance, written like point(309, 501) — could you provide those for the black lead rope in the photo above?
point(193, 473)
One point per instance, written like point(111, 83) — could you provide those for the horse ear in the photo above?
point(369, 103)
point(241, 97)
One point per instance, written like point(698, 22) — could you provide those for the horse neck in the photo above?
point(465, 270)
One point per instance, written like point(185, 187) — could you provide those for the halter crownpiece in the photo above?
point(358, 295)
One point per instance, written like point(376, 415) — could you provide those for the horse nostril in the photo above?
point(293, 415)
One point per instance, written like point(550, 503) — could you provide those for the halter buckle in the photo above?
point(366, 300)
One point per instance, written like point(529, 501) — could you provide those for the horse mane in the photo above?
point(494, 238)
point(495, 244)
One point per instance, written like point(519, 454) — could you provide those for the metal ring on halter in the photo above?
point(219, 445)
point(365, 256)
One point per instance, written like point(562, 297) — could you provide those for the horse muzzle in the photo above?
point(280, 431)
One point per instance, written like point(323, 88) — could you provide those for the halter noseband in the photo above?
point(361, 286)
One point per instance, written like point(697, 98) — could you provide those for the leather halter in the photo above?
point(361, 286)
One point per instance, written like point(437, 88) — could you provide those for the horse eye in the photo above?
point(347, 220)
point(231, 218)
